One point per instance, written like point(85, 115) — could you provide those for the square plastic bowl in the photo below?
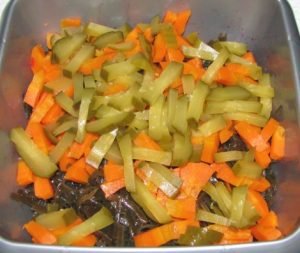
point(267, 26)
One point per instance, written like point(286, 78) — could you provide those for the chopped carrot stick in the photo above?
point(53, 114)
point(182, 42)
point(174, 54)
point(249, 56)
point(95, 63)
point(89, 169)
point(170, 17)
point(193, 67)
point(148, 34)
point(260, 184)
point(225, 173)
point(43, 188)
point(24, 174)
point(65, 162)
point(262, 158)
point(42, 108)
point(238, 69)
point(39, 137)
point(115, 88)
point(143, 140)
point(37, 58)
point(163, 234)
point(259, 202)
point(226, 77)
point(252, 135)
point(232, 235)
point(269, 129)
point(182, 208)
point(77, 172)
point(110, 188)
point(39, 233)
point(113, 171)
point(195, 176)
point(278, 144)
point(133, 35)
point(77, 150)
point(181, 21)
point(35, 88)
point(159, 49)
point(53, 72)
point(70, 22)
point(210, 147)
point(270, 220)
point(88, 241)
point(197, 140)
point(262, 233)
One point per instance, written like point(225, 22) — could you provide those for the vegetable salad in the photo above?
point(146, 136)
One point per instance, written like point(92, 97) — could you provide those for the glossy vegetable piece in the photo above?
point(228, 93)
point(125, 145)
point(38, 162)
point(99, 220)
point(233, 106)
point(199, 236)
point(150, 205)
point(203, 51)
point(64, 48)
point(206, 216)
point(162, 178)
point(64, 143)
point(57, 219)
point(108, 38)
point(100, 148)
point(150, 155)
point(66, 103)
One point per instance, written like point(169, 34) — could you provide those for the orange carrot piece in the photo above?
point(182, 208)
point(39, 233)
point(70, 22)
point(42, 108)
point(77, 150)
point(278, 144)
point(195, 176)
point(159, 49)
point(148, 34)
point(232, 235)
point(65, 162)
point(181, 41)
point(262, 158)
point(110, 188)
point(226, 77)
point(210, 147)
point(174, 54)
point(96, 63)
point(193, 67)
point(53, 114)
point(115, 88)
point(39, 137)
point(225, 173)
point(52, 73)
point(133, 35)
point(143, 140)
point(260, 184)
point(181, 21)
point(113, 171)
point(77, 172)
point(252, 135)
point(35, 88)
point(262, 233)
point(24, 174)
point(37, 58)
point(89, 169)
point(162, 234)
point(269, 129)
point(170, 17)
point(238, 69)
point(270, 220)
point(259, 202)
point(43, 188)
point(249, 56)
point(226, 133)
point(88, 241)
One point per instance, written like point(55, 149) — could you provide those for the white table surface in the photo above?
point(294, 3)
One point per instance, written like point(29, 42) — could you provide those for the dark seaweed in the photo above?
point(206, 63)
point(278, 113)
point(27, 110)
point(234, 143)
point(271, 176)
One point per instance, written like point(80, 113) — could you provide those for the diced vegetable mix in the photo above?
point(135, 120)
